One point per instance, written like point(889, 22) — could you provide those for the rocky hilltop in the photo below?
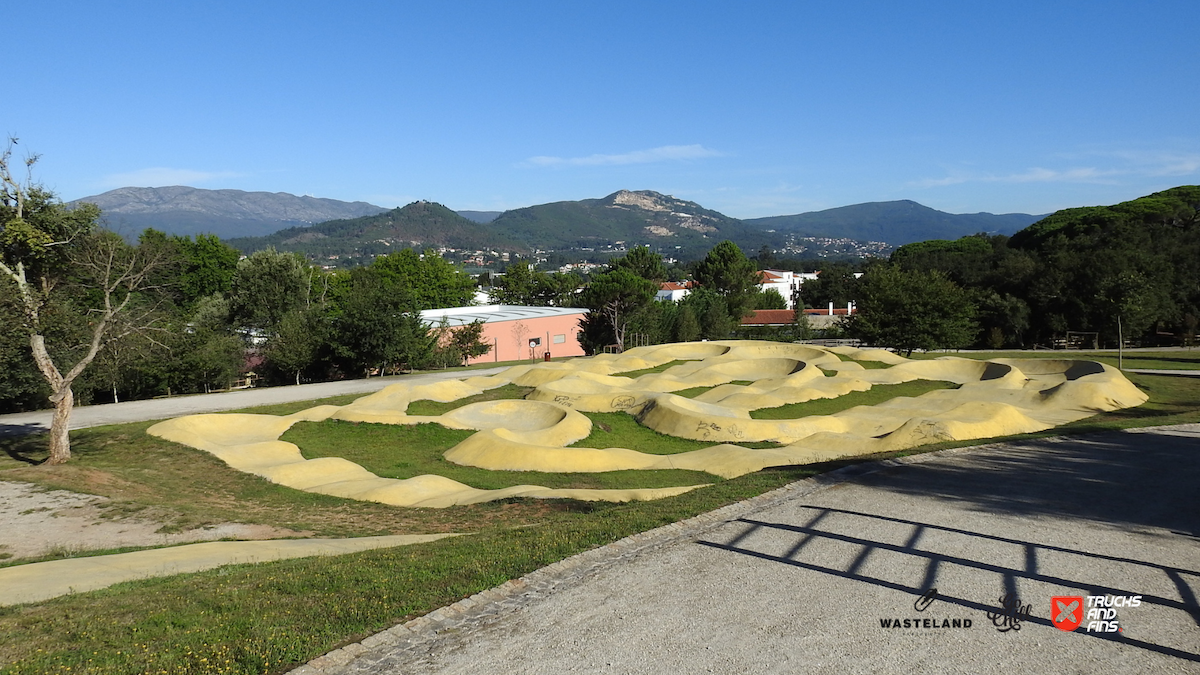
point(678, 213)
point(626, 216)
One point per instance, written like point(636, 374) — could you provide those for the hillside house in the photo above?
point(785, 282)
point(673, 291)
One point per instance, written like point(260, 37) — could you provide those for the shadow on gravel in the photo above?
point(16, 430)
point(1138, 481)
point(933, 561)
point(25, 447)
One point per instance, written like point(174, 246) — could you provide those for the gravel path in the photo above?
point(800, 580)
point(42, 581)
point(35, 522)
point(164, 408)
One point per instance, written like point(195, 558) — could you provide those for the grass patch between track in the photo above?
point(827, 406)
point(405, 451)
point(428, 407)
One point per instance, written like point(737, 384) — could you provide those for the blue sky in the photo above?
point(751, 108)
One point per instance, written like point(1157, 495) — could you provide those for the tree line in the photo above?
point(205, 308)
point(1126, 272)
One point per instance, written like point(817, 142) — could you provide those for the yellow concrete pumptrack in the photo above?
point(995, 398)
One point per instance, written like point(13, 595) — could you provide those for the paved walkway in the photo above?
point(801, 580)
point(41, 581)
point(165, 408)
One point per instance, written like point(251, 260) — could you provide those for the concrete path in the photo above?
point(17, 424)
point(803, 581)
point(42, 581)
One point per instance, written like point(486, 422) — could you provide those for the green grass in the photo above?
point(647, 371)
point(693, 392)
point(427, 407)
point(1180, 362)
point(405, 451)
point(621, 430)
point(269, 617)
point(868, 365)
point(297, 406)
point(1164, 360)
point(873, 396)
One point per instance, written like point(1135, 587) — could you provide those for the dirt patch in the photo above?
point(37, 522)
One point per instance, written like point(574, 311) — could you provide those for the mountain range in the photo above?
point(897, 223)
point(684, 229)
point(225, 213)
point(418, 224)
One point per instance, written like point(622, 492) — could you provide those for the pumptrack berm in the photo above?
point(999, 397)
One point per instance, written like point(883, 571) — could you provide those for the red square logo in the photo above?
point(1066, 611)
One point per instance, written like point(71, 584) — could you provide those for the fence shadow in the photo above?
point(1132, 479)
point(934, 561)
point(1137, 481)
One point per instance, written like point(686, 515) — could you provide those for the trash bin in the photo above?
point(547, 355)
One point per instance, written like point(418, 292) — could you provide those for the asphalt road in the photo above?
point(165, 408)
point(804, 586)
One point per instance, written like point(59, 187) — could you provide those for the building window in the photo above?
point(559, 339)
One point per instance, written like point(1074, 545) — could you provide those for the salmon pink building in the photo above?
point(517, 332)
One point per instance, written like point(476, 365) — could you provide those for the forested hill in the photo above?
point(1135, 262)
point(1172, 211)
point(1129, 269)
point(226, 213)
point(419, 224)
point(897, 223)
point(480, 216)
point(634, 217)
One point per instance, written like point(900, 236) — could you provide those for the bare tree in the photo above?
point(45, 250)
point(519, 331)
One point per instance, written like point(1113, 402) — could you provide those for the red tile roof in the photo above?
point(675, 286)
point(769, 317)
